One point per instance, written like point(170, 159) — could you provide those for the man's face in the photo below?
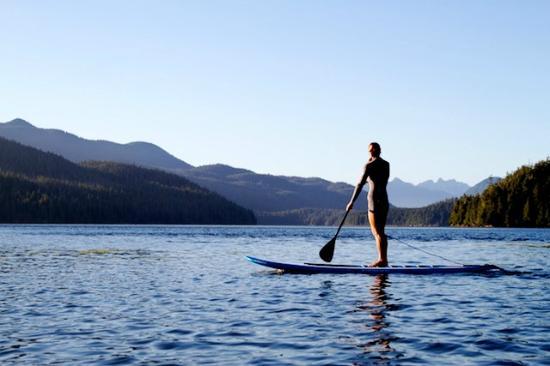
point(371, 149)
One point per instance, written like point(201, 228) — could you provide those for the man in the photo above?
point(376, 173)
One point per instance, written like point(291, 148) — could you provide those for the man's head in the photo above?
point(374, 149)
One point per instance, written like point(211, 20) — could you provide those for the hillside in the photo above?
point(39, 187)
point(264, 192)
point(268, 193)
point(521, 199)
point(77, 149)
point(259, 192)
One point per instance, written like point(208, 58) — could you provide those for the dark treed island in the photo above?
point(522, 199)
point(40, 187)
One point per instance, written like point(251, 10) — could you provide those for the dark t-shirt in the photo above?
point(377, 173)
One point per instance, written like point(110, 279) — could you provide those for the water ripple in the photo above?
point(116, 295)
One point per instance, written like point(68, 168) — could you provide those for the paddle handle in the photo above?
point(342, 223)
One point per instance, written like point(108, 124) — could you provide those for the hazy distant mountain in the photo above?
point(403, 194)
point(77, 149)
point(260, 192)
point(451, 186)
point(481, 186)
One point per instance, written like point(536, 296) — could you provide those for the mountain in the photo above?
point(453, 187)
point(481, 186)
point(40, 187)
point(77, 149)
point(255, 191)
point(264, 192)
point(521, 199)
point(403, 194)
point(259, 192)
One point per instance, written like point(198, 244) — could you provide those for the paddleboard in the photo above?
point(311, 268)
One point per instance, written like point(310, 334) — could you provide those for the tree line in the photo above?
point(436, 214)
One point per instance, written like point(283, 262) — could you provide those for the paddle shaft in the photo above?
point(342, 223)
point(327, 251)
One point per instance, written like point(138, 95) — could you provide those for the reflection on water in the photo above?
point(378, 305)
point(378, 348)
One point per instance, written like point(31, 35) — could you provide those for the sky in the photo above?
point(450, 89)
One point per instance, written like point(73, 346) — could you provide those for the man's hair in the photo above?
point(376, 147)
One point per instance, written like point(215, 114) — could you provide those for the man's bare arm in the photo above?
point(357, 189)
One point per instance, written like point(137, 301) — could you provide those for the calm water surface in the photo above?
point(158, 295)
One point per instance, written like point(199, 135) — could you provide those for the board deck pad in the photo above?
point(311, 268)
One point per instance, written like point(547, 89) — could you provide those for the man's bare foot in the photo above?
point(379, 263)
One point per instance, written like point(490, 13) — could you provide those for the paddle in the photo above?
point(327, 251)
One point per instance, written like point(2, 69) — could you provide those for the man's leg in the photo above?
point(377, 229)
point(381, 219)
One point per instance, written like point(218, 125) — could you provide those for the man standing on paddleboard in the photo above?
point(376, 173)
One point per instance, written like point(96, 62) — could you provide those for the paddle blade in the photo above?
point(327, 251)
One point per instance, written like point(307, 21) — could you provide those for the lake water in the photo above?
point(169, 295)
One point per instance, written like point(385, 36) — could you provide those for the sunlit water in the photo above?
point(163, 295)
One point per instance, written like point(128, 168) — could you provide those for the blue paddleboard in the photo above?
point(311, 268)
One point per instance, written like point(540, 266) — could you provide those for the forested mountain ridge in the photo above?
point(259, 192)
point(521, 199)
point(39, 187)
point(30, 162)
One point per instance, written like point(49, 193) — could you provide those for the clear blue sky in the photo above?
point(451, 89)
